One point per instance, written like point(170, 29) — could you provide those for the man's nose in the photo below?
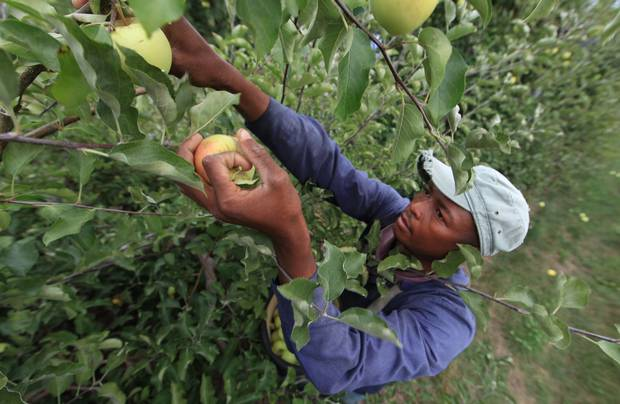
point(417, 208)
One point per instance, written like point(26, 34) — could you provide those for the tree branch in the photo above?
point(284, 79)
point(25, 80)
point(520, 310)
point(13, 137)
point(395, 74)
point(81, 206)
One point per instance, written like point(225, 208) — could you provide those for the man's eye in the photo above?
point(439, 215)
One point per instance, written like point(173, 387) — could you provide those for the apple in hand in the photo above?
point(215, 144)
point(155, 50)
point(402, 16)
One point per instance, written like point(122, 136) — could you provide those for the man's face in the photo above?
point(432, 225)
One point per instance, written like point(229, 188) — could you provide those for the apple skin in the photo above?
point(155, 50)
point(400, 17)
point(213, 144)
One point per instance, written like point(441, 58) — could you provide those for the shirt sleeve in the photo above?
point(432, 322)
point(308, 152)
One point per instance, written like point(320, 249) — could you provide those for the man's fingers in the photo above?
point(257, 155)
point(218, 166)
point(78, 3)
point(188, 147)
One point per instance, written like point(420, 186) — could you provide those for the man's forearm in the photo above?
point(253, 102)
point(294, 254)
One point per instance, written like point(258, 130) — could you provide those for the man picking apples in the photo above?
point(432, 321)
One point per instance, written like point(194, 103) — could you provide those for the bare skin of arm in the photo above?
point(193, 55)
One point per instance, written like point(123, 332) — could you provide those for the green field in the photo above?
point(510, 359)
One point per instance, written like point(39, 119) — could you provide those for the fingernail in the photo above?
point(244, 134)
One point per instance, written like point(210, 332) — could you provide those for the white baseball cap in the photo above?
point(499, 209)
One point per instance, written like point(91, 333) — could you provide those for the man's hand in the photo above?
point(273, 207)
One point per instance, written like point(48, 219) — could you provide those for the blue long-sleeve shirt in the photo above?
point(432, 321)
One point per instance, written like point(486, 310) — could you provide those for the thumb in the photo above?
point(257, 155)
point(218, 166)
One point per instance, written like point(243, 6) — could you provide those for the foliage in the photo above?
point(164, 304)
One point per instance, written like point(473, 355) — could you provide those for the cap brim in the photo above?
point(443, 179)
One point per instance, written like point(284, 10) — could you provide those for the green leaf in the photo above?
point(289, 38)
point(17, 155)
point(449, 265)
point(461, 30)
point(519, 294)
point(451, 90)
point(207, 391)
point(462, 167)
point(38, 42)
point(323, 14)
point(3, 380)
point(102, 69)
point(398, 261)
point(353, 74)
point(5, 220)
point(480, 138)
point(263, 17)
point(36, 8)
point(70, 222)
point(542, 9)
point(156, 13)
point(355, 286)
point(370, 323)
point(612, 350)
point(555, 329)
point(332, 276)
point(334, 36)
point(300, 292)
point(112, 393)
point(70, 87)
point(9, 82)
point(409, 129)
point(214, 104)
point(300, 334)
point(449, 12)
point(438, 51)
point(155, 159)
point(156, 83)
point(10, 397)
point(353, 263)
point(610, 30)
point(574, 292)
point(473, 258)
point(484, 8)
point(86, 163)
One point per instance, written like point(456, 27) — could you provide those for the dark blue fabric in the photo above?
point(432, 322)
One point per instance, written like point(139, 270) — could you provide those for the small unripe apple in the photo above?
point(215, 144)
point(402, 16)
point(155, 50)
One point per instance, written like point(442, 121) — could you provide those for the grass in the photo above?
point(510, 360)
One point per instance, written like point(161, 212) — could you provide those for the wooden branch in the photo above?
point(520, 310)
point(284, 79)
point(14, 137)
point(25, 80)
point(81, 206)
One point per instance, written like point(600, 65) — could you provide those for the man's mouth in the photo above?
point(402, 224)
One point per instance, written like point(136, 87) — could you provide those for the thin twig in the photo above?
point(81, 206)
point(284, 79)
point(519, 310)
point(14, 137)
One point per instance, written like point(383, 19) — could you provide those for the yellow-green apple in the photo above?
point(155, 50)
point(402, 16)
